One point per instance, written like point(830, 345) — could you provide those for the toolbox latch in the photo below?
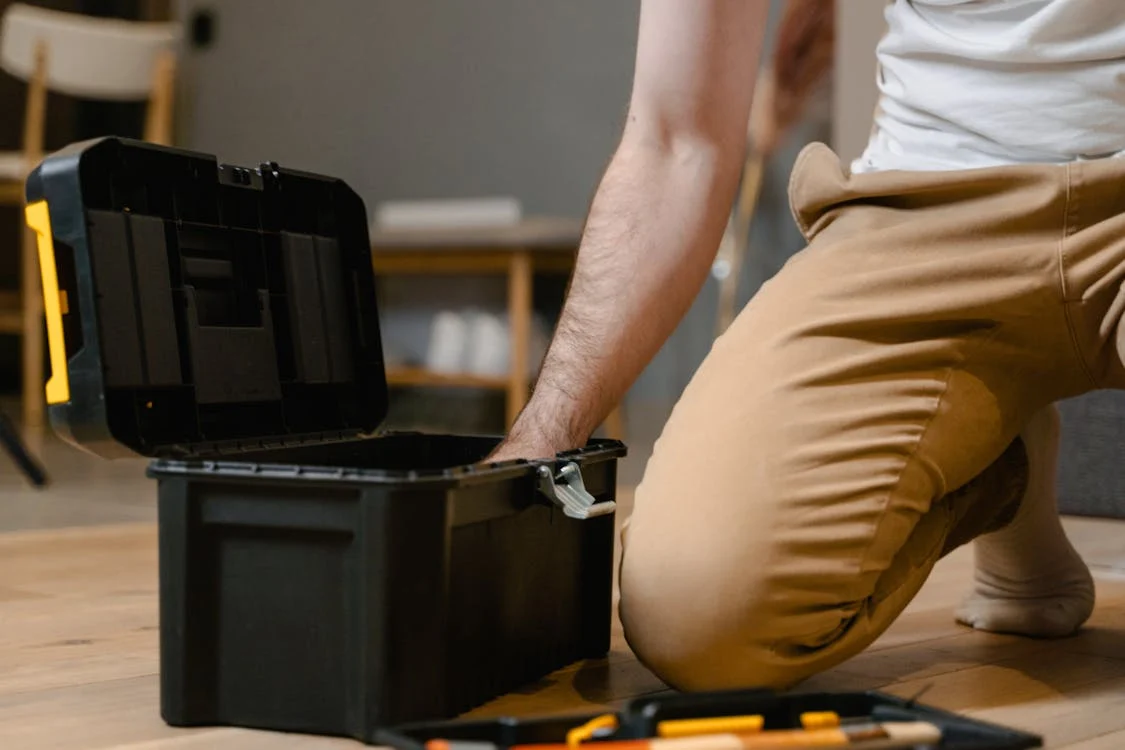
point(567, 491)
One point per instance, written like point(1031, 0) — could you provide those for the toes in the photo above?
point(1034, 618)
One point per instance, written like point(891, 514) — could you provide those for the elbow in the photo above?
point(698, 143)
point(697, 150)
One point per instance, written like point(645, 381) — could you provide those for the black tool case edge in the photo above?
point(218, 483)
point(638, 719)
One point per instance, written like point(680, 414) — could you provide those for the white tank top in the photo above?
point(974, 83)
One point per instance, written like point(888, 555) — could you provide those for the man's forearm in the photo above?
point(657, 218)
point(652, 232)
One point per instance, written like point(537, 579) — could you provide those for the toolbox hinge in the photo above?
point(567, 491)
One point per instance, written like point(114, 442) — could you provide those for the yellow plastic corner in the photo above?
point(38, 219)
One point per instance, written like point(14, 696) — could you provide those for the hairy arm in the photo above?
point(656, 219)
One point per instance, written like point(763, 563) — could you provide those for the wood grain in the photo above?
point(519, 332)
point(414, 376)
point(33, 338)
point(79, 659)
point(446, 262)
point(159, 117)
point(532, 233)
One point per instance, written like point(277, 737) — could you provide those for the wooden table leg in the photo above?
point(519, 329)
point(31, 284)
point(32, 354)
point(615, 424)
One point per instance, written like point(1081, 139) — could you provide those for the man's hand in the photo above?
point(656, 219)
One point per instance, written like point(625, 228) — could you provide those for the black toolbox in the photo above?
point(315, 575)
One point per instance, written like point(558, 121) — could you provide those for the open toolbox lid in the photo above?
point(201, 308)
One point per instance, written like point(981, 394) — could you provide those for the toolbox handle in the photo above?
point(38, 219)
point(567, 491)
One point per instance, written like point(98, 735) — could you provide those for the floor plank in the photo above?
point(79, 656)
point(88, 611)
point(120, 714)
point(1064, 714)
point(1109, 741)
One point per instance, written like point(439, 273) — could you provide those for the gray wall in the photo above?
point(419, 98)
point(440, 98)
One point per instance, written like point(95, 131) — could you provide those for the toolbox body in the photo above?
point(315, 575)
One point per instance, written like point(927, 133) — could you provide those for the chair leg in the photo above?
point(31, 293)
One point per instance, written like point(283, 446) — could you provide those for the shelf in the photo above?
point(414, 376)
point(11, 193)
point(445, 261)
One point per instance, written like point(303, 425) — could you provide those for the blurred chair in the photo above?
point(89, 58)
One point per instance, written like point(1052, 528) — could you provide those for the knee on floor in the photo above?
point(731, 629)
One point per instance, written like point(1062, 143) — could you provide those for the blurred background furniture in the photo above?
point(90, 58)
point(545, 245)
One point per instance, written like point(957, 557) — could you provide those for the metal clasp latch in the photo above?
point(568, 492)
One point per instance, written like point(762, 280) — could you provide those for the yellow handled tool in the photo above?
point(711, 725)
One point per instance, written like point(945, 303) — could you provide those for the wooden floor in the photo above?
point(78, 637)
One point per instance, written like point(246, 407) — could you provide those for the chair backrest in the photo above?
point(87, 57)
